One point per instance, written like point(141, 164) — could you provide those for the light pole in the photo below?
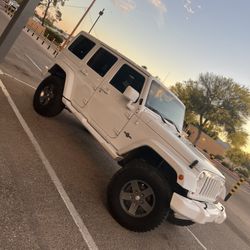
point(73, 31)
point(100, 14)
point(16, 25)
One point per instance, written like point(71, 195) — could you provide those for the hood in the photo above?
point(179, 143)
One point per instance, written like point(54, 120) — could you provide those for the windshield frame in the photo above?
point(161, 85)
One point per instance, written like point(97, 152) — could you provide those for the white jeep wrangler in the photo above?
point(138, 121)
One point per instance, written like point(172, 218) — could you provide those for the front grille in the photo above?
point(210, 189)
point(209, 186)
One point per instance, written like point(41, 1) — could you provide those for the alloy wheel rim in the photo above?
point(137, 198)
point(46, 95)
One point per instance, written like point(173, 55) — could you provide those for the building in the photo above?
point(206, 143)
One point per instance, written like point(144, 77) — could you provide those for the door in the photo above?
point(91, 76)
point(89, 68)
point(79, 52)
point(107, 110)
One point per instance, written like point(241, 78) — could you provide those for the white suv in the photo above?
point(138, 121)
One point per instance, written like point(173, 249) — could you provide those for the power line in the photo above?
point(79, 22)
point(75, 6)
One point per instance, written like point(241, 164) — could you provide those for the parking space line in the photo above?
point(196, 238)
point(72, 210)
point(18, 80)
point(33, 62)
point(245, 191)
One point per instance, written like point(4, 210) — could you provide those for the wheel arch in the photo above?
point(58, 71)
point(149, 155)
point(66, 75)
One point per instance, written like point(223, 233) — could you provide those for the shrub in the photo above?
point(219, 157)
point(51, 35)
point(242, 171)
point(227, 165)
point(211, 156)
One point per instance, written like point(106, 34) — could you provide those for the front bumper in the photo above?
point(196, 211)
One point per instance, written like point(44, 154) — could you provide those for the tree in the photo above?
point(215, 100)
point(212, 131)
point(182, 91)
point(238, 139)
point(47, 4)
point(239, 157)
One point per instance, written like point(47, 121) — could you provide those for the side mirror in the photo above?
point(131, 94)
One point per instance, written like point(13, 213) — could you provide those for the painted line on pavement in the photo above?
point(34, 63)
point(18, 80)
point(73, 212)
point(245, 191)
point(196, 238)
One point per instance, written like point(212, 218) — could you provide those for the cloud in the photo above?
point(162, 9)
point(129, 5)
point(159, 5)
point(125, 5)
point(188, 6)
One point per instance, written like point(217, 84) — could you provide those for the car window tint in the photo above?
point(102, 61)
point(127, 76)
point(81, 46)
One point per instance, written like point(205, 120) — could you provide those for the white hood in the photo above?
point(180, 144)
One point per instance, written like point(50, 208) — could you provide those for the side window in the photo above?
point(81, 46)
point(127, 76)
point(102, 61)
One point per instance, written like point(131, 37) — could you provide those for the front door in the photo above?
point(107, 110)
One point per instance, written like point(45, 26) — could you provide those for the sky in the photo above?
point(176, 39)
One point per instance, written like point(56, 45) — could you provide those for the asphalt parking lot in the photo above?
point(53, 178)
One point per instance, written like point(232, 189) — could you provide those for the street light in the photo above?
point(100, 14)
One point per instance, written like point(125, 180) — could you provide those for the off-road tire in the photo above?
point(52, 106)
point(138, 170)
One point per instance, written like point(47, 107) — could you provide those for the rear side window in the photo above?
point(102, 61)
point(81, 46)
point(127, 76)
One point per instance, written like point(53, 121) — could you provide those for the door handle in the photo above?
point(105, 90)
point(84, 72)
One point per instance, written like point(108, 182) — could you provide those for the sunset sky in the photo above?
point(177, 39)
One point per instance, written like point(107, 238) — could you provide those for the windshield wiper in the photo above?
point(164, 119)
point(170, 121)
point(158, 113)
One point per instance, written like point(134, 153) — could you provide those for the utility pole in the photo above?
point(73, 31)
point(16, 25)
point(100, 14)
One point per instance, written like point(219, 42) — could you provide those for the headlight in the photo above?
point(202, 175)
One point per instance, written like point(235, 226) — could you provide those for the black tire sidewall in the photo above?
point(153, 177)
point(55, 106)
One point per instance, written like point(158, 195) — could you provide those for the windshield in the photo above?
point(164, 102)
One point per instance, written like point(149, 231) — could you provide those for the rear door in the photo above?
point(79, 52)
point(91, 74)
